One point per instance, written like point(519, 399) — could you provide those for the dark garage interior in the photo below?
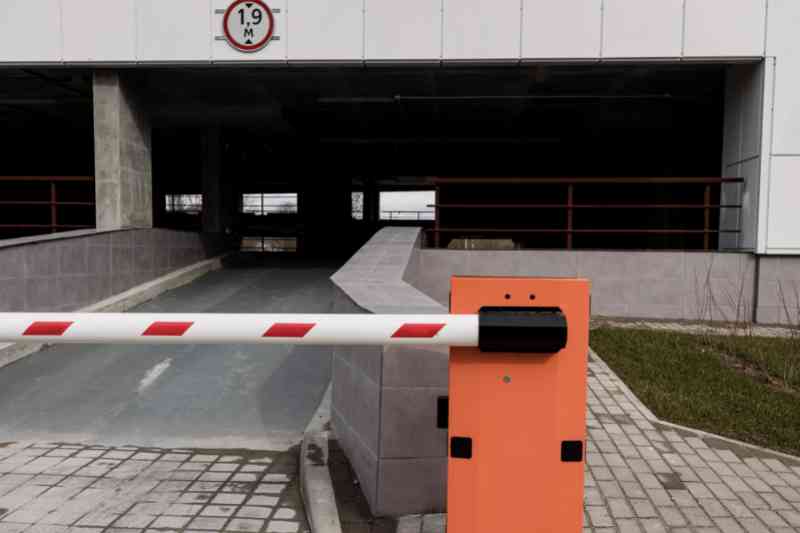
point(539, 156)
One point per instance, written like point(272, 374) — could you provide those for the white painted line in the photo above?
point(153, 374)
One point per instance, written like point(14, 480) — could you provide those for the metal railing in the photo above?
point(408, 215)
point(50, 198)
point(570, 206)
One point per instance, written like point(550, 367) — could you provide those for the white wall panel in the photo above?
point(99, 30)
point(411, 29)
point(30, 31)
point(643, 28)
point(784, 191)
point(786, 134)
point(782, 27)
point(274, 51)
point(744, 106)
point(783, 41)
point(741, 152)
point(563, 29)
point(751, 171)
point(733, 28)
point(325, 30)
point(477, 29)
point(766, 159)
point(173, 30)
point(732, 130)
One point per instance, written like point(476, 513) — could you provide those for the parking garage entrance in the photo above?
point(315, 160)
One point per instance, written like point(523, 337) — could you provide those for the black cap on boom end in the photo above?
point(539, 330)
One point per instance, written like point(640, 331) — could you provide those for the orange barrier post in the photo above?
point(517, 408)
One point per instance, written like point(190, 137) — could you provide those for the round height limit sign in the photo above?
point(248, 25)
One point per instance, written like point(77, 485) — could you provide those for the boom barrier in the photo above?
point(517, 378)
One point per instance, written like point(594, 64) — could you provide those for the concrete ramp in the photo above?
point(230, 396)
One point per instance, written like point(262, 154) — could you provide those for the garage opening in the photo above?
point(47, 154)
point(622, 156)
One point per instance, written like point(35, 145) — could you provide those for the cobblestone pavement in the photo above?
point(643, 475)
point(62, 488)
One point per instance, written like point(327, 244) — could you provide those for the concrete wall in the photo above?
point(779, 290)
point(123, 161)
point(660, 285)
point(385, 398)
point(72, 270)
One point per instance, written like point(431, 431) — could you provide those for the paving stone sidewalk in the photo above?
point(645, 476)
point(63, 488)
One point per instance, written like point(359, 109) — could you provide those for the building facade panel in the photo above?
point(98, 30)
point(172, 31)
point(783, 43)
point(724, 28)
point(30, 31)
point(565, 29)
point(320, 30)
point(784, 190)
point(475, 29)
point(397, 31)
point(785, 46)
point(750, 170)
point(642, 28)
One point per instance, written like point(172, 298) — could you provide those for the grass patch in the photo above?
point(746, 388)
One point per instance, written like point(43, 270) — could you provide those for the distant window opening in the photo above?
point(263, 204)
point(407, 205)
point(357, 205)
point(191, 204)
point(269, 244)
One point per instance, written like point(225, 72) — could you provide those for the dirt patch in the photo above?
point(752, 371)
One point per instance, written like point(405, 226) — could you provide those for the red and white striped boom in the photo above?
point(211, 328)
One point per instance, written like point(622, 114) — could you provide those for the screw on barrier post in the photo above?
point(517, 408)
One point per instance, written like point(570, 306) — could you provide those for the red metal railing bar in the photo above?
point(32, 226)
point(577, 181)
point(33, 202)
point(564, 230)
point(584, 206)
point(47, 178)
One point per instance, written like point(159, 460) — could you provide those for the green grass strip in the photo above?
point(731, 386)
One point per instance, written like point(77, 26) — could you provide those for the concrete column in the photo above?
point(213, 215)
point(371, 203)
point(122, 154)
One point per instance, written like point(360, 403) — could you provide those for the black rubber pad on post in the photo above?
point(461, 447)
point(572, 451)
point(442, 412)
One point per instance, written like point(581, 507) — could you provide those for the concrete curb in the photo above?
point(12, 352)
point(316, 485)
